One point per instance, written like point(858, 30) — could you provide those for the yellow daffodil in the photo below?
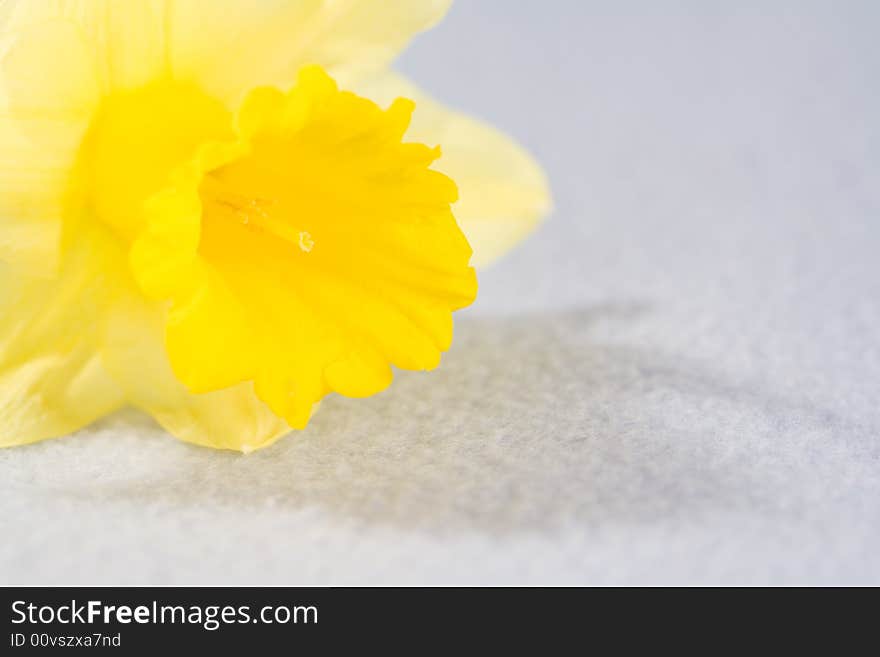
point(197, 221)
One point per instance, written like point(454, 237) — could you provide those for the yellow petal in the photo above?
point(138, 138)
point(230, 46)
point(52, 377)
point(232, 418)
point(47, 94)
point(503, 193)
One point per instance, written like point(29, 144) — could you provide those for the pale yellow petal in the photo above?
point(238, 44)
point(232, 418)
point(52, 378)
point(47, 95)
point(129, 38)
point(503, 193)
point(126, 38)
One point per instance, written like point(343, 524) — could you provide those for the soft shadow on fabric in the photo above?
point(530, 424)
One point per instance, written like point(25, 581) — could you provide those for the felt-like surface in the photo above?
point(675, 381)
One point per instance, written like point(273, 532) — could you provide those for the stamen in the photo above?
point(306, 243)
point(253, 213)
point(245, 209)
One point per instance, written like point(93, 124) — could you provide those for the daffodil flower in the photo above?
point(196, 220)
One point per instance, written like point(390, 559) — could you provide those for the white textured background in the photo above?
point(676, 381)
